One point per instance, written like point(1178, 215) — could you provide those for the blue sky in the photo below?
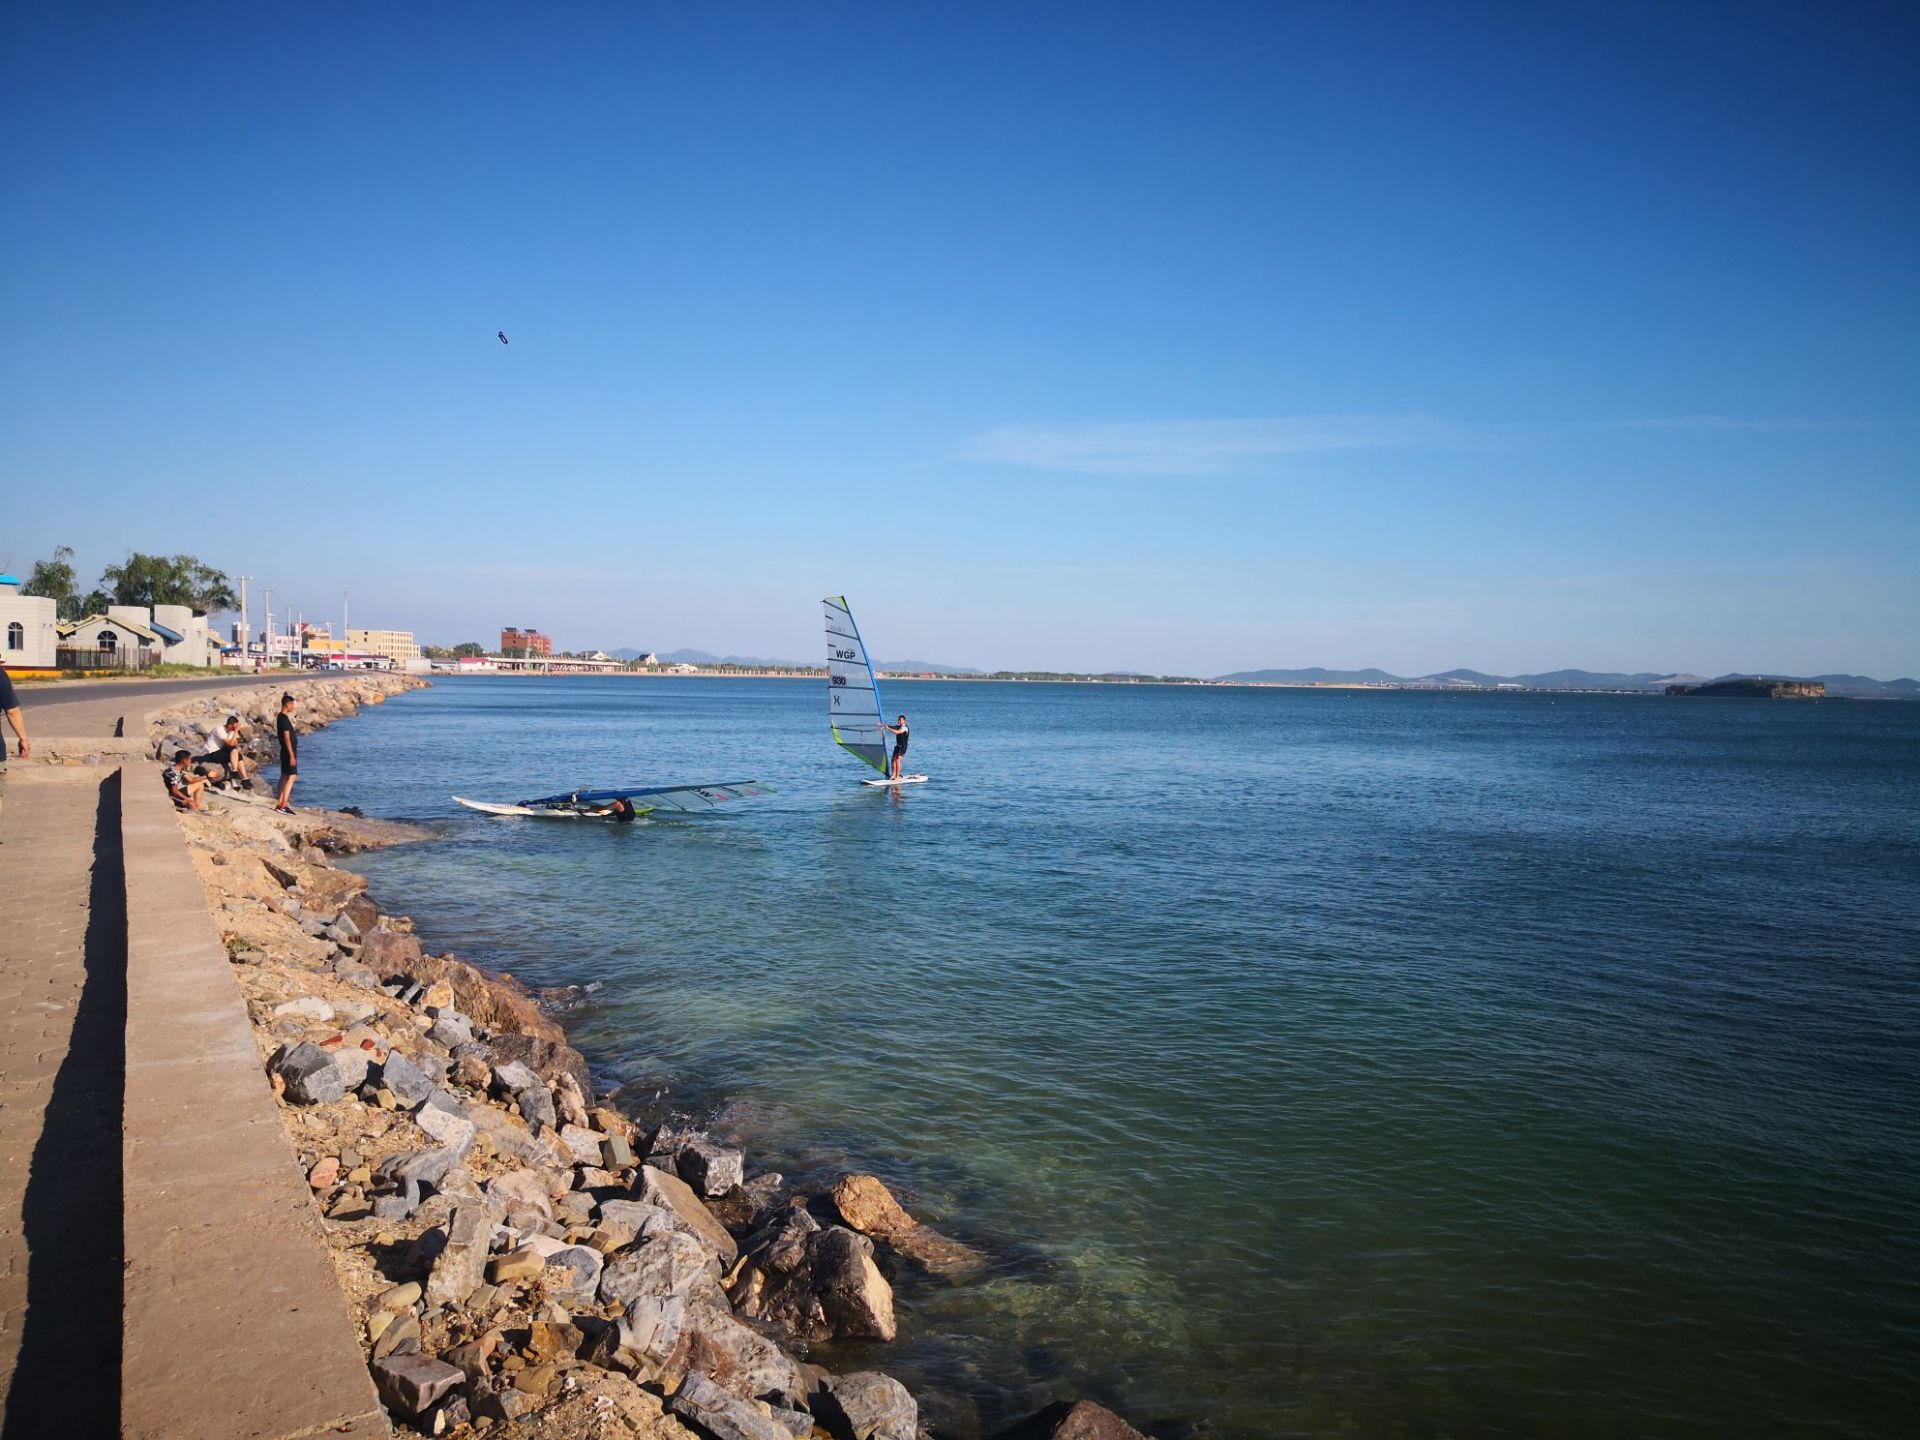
point(1168, 337)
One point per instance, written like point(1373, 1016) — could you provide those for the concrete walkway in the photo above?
point(90, 709)
point(62, 1009)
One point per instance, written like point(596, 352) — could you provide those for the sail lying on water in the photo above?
point(853, 695)
point(686, 799)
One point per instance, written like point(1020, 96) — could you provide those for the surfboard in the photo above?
point(903, 780)
point(578, 804)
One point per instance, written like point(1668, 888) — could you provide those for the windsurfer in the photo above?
point(899, 745)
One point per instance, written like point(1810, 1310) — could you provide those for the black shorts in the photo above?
point(287, 767)
point(900, 751)
point(223, 757)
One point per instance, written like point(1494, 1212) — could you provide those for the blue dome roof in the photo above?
point(9, 579)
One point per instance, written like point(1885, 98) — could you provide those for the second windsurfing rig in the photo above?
point(853, 695)
point(646, 800)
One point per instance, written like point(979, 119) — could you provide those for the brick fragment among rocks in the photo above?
point(410, 1384)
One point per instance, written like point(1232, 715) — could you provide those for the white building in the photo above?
point(114, 641)
point(29, 631)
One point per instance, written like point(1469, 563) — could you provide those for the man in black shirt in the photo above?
point(10, 704)
point(289, 759)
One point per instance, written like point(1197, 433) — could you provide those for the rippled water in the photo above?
point(1398, 1064)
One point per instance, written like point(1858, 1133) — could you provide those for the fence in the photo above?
point(115, 659)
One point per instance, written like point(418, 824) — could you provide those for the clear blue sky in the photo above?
point(1169, 337)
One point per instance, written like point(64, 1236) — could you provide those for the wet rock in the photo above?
point(309, 1074)
point(819, 1284)
point(462, 1263)
point(545, 1050)
point(409, 1385)
point(1071, 1420)
point(867, 1406)
point(869, 1207)
point(669, 1191)
point(711, 1169)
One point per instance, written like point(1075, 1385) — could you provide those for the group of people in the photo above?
point(225, 762)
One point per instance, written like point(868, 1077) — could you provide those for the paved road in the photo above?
point(89, 708)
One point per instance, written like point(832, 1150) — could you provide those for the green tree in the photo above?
point(469, 648)
point(55, 580)
point(169, 580)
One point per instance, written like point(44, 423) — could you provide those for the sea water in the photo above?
point(1304, 1062)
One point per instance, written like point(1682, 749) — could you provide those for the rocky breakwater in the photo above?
point(192, 724)
point(522, 1258)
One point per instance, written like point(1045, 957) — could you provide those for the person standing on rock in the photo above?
point(10, 703)
point(289, 756)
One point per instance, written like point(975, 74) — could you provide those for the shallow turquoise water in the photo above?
point(1398, 1064)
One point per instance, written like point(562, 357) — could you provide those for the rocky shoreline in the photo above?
point(520, 1256)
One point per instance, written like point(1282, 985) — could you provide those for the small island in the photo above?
point(1756, 687)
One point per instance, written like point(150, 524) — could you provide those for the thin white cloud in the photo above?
point(1213, 447)
point(1198, 447)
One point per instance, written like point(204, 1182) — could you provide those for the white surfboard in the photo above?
point(903, 780)
point(487, 807)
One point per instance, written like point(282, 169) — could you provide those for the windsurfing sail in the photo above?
point(853, 695)
point(684, 798)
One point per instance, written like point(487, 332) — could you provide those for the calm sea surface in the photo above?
point(1309, 1063)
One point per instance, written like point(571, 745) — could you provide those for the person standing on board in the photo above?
point(10, 706)
point(289, 758)
point(899, 744)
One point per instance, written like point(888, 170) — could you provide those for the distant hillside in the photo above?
point(1315, 676)
point(1849, 686)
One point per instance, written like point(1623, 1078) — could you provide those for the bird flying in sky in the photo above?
point(503, 336)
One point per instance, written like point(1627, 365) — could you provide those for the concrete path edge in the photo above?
point(235, 1327)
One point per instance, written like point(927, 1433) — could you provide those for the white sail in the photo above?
point(853, 695)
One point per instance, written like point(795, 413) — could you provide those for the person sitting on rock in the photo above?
point(182, 784)
point(225, 756)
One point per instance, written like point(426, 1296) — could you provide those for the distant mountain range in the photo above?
point(1850, 686)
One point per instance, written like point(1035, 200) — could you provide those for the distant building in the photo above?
point(110, 642)
point(527, 644)
point(29, 627)
point(397, 645)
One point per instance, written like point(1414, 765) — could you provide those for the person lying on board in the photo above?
point(182, 784)
point(621, 811)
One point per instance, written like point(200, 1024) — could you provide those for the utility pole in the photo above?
point(345, 596)
point(267, 647)
point(246, 635)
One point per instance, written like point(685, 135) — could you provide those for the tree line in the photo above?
point(147, 580)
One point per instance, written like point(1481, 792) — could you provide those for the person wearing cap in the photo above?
point(10, 703)
point(289, 757)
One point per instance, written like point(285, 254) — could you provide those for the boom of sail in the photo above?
point(853, 694)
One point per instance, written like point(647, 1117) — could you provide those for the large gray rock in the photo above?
point(309, 1074)
point(411, 1384)
point(867, 1406)
point(643, 1339)
point(462, 1263)
point(510, 1079)
point(709, 1168)
point(723, 1414)
point(453, 1131)
point(669, 1285)
point(573, 1274)
point(409, 1083)
point(535, 1104)
point(816, 1284)
point(666, 1266)
point(656, 1187)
